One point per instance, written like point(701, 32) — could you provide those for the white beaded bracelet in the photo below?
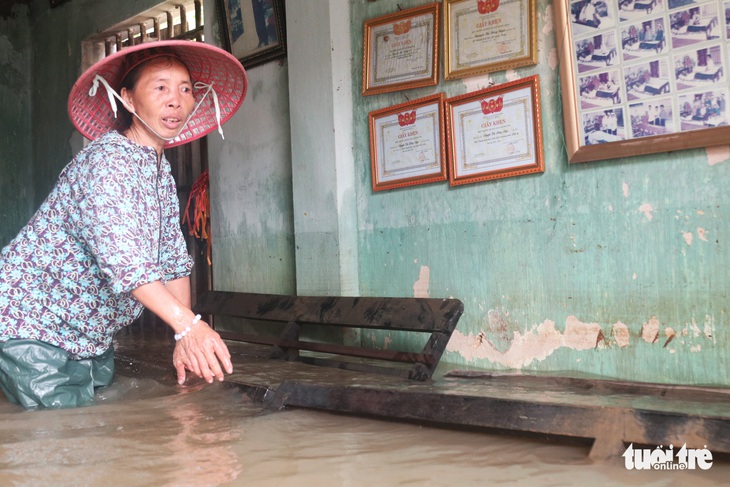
point(181, 335)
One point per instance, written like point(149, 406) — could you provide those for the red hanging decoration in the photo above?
point(199, 223)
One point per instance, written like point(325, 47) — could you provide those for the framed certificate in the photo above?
point(407, 143)
point(483, 36)
point(401, 50)
point(495, 132)
point(643, 76)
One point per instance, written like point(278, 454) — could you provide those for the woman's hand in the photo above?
point(202, 352)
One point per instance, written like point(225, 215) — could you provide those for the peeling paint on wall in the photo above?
point(478, 83)
point(542, 340)
point(581, 336)
point(647, 210)
point(547, 29)
point(420, 288)
point(709, 330)
point(553, 58)
point(620, 334)
point(688, 236)
point(702, 234)
point(717, 154)
point(650, 330)
point(534, 345)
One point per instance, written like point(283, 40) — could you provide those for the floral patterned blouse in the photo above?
point(110, 225)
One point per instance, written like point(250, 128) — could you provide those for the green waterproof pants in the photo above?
point(35, 374)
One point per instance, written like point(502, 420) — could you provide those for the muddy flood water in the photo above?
point(149, 432)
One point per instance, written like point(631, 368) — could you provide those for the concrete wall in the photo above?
point(16, 175)
point(56, 64)
point(615, 268)
point(612, 268)
point(251, 185)
point(251, 190)
point(36, 74)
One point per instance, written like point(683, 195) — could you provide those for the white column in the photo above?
point(320, 93)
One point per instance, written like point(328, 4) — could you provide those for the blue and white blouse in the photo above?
point(110, 225)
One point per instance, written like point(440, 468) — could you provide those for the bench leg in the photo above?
point(290, 333)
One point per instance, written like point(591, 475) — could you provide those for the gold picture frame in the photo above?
point(495, 132)
point(632, 80)
point(401, 50)
point(484, 36)
point(407, 143)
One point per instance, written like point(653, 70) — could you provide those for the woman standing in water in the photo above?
point(107, 242)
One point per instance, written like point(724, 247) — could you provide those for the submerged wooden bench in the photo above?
point(437, 317)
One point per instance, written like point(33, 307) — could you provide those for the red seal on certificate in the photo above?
point(487, 6)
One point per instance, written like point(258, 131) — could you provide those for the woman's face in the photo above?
point(163, 98)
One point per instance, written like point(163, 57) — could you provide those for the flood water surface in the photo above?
point(143, 432)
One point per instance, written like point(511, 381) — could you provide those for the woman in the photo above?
point(107, 241)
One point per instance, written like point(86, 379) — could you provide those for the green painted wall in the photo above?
point(582, 270)
point(16, 189)
point(615, 268)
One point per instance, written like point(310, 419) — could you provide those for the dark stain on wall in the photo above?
point(6, 7)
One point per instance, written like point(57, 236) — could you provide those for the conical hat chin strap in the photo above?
point(111, 94)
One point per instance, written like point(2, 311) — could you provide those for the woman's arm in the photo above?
point(180, 288)
point(201, 350)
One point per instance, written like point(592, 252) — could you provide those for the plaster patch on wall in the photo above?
point(581, 336)
point(688, 236)
point(717, 154)
point(692, 333)
point(695, 329)
point(478, 83)
point(548, 27)
point(420, 288)
point(534, 345)
point(542, 340)
point(702, 234)
point(512, 75)
point(647, 210)
point(625, 189)
point(650, 330)
point(620, 334)
point(553, 58)
point(537, 344)
point(710, 328)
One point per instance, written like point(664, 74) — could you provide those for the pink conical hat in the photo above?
point(94, 116)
